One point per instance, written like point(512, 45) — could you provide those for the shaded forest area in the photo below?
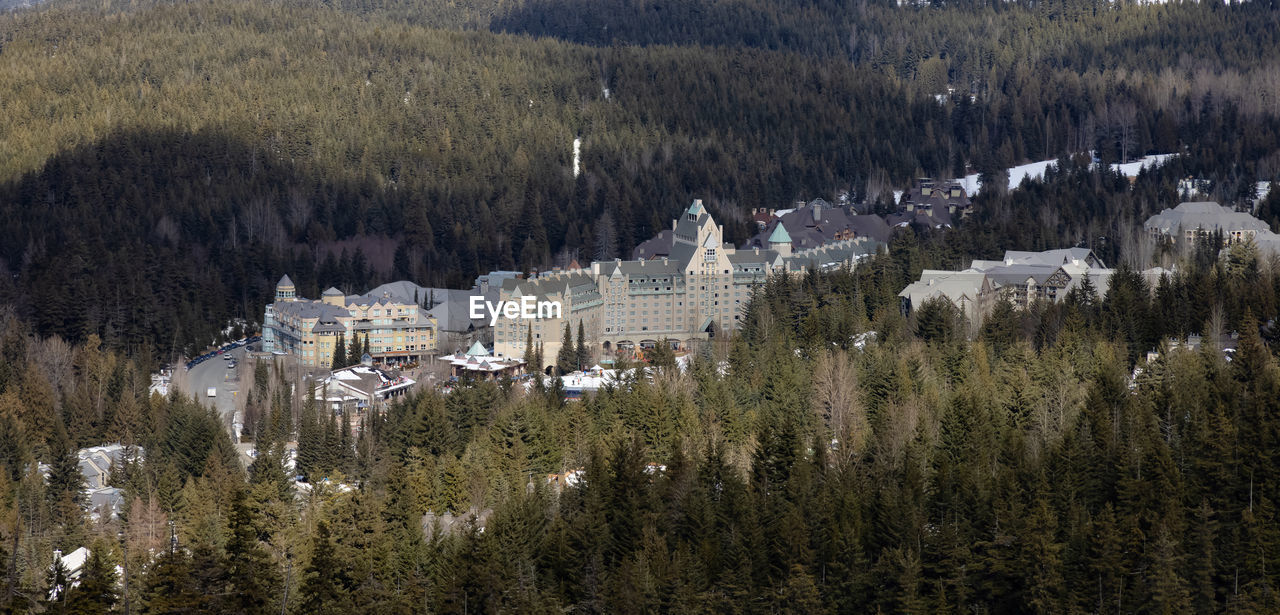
point(170, 160)
point(1023, 470)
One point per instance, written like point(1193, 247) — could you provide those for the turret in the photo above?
point(285, 290)
point(780, 240)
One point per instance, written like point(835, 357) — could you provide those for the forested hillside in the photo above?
point(1022, 470)
point(162, 163)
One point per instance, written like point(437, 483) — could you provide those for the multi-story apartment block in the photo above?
point(1189, 223)
point(692, 289)
point(1023, 278)
point(396, 328)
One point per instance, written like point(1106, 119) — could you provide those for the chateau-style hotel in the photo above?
point(684, 285)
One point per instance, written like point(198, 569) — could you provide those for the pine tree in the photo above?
point(253, 579)
point(1107, 560)
point(340, 352)
point(1042, 560)
point(566, 358)
point(169, 587)
point(800, 594)
point(13, 446)
point(310, 438)
point(325, 585)
point(530, 353)
point(583, 358)
point(1168, 589)
point(353, 352)
point(661, 356)
point(96, 593)
point(64, 469)
point(56, 586)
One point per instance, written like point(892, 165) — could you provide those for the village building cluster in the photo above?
point(686, 284)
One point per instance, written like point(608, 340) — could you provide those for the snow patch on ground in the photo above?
point(1131, 169)
point(1036, 170)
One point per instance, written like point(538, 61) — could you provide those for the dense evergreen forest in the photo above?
point(803, 468)
point(161, 164)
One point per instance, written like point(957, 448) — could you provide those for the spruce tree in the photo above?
point(310, 442)
point(325, 585)
point(56, 586)
point(169, 586)
point(13, 448)
point(661, 356)
point(582, 356)
point(64, 468)
point(340, 352)
point(567, 357)
point(353, 352)
point(530, 353)
point(253, 579)
point(96, 593)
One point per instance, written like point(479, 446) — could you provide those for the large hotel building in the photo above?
point(692, 288)
point(397, 329)
point(686, 285)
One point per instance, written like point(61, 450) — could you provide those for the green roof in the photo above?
point(780, 235)
point(477, 350)
point(696, 208)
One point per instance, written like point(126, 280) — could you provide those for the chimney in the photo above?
point(817, 211)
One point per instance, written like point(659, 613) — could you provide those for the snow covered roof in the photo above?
point(1206, 215)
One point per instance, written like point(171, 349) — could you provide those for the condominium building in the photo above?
point(1189, 223)
point(933, 203)
point(690, 286)
point(396, 328)
point(1022, 278)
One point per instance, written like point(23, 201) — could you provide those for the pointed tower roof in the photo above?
point(696, 208)
point(780, 235)
point(332, 292)
point(477, 350)
point(285, 281)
